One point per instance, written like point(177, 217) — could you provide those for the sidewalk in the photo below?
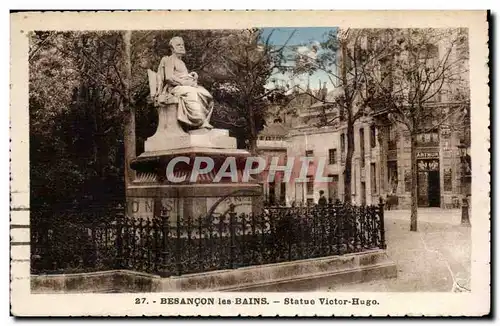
point(434, 259)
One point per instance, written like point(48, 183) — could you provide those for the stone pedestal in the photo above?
point(153, 191)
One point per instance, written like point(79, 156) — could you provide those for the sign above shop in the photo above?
point(425, 155)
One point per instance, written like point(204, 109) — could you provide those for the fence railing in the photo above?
point(172, 246)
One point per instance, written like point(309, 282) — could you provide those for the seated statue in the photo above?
point(195, 103)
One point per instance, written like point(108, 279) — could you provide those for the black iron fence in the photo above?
point(172, 246)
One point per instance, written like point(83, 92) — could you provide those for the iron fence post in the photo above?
point(178, 246)
point(300, 232)
point(382, 224)
point(200, 241)
point(232, 215)
point(120, 216)
point(164, 245)
point(341, 232)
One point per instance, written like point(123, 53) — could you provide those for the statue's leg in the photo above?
point(207, 125)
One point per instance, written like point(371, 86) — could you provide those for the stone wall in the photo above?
point(302, 275)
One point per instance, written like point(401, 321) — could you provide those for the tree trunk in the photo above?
point(383, 135)
point(350, 128)
point(129, 112)
point(414, 183)
point(348, 161)
point(252, 140)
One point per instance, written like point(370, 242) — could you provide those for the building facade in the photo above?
point(327, 146)
point(381, 165)
point(439, 165)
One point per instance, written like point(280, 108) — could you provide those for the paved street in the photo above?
point(436, 258)
point(432, 215)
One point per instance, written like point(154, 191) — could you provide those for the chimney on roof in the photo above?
point(324, 92)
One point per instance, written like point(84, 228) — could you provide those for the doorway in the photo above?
point(429, 191)
point(299, 193)
point(283, 193)
point(363, 193)
point(272, 194)
point(433, 192)
point(333, 187)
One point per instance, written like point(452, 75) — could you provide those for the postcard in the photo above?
point(250, 163)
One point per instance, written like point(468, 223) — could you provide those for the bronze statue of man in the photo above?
point(195, 103)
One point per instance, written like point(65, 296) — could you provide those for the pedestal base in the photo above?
point(154, 191)
point(203, 138)
point(183, 201)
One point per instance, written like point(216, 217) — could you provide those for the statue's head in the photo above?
point(177, 45)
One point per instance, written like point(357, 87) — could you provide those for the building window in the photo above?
point(429, 139)
point(393, 138)
point(332, 156)
point(362, 146)
point(430, 57)
point(373, 176)
point(333, 187)
point(408, 181)
point(342, 143)
point(310, 153)
point(299, 192)
point(372, 136)
point(310, 185)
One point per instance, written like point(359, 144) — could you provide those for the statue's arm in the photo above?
point(160, 77)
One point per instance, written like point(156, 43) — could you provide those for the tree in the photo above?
point(422, 83)
point(240, 76)
point(75, 123)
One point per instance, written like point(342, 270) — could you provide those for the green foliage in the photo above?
point(75, 129)
point(239, 75)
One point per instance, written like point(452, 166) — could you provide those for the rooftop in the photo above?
point(275, 129)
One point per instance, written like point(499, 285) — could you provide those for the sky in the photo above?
point(302, 35)
point(302, 40)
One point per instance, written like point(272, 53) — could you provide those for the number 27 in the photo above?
point(140, 300)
